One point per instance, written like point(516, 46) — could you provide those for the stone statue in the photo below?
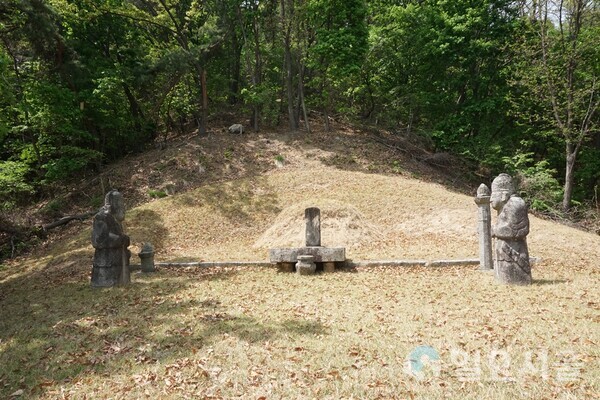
point(111, 258)
point(511, 229)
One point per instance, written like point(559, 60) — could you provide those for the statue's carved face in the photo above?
point(499, 198)
point(117, 207)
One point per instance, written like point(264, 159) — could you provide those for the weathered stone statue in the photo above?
point(111, 258)
point(511, 229)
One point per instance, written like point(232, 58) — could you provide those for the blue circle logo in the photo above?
point(422, 358)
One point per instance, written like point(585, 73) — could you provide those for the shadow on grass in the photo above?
point(144, 225)
point(236, 200)
point(54, 332)
point(375, 151)
point(250, 330)
point(544, 282)
point(205, 273)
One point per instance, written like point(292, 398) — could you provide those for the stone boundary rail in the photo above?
point(351, 264)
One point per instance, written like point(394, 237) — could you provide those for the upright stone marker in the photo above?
point(111, 258)
point(147, 257)
point(484, 228)
point(511, 230)
point(312, 216)
point(288, 258)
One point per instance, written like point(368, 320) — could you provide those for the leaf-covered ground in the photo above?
point(256, 333)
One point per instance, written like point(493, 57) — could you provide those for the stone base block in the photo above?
point(328, 267)
point(286, 266)
point(104, 276)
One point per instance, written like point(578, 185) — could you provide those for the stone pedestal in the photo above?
point(305, 265)
point(147, 258)
point(484, 228)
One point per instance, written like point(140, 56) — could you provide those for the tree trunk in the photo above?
point(326, 105)
point(202, 127)
point(301, 98)
point(287, 61)
point(257, 75)
point(289, 86)
point(134, 108)
point(234, 85)
point(571, 155)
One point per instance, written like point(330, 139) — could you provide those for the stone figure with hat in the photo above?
point(511, 229)
point(111, 258)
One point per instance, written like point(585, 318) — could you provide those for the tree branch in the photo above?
point(66, 220)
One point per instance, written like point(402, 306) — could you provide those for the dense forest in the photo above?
point(509, 85)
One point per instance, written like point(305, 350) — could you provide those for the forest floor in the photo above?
point(256, 333)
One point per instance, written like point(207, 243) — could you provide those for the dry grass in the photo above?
point(251, 333)
point(256, 333)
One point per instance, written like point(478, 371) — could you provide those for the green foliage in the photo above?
point(89, 81)
point(340, 35)
point(157, 194)
point(537, 181)
point(228, 153)
point(97, 201)
point(14, 184)
point(338, 52)
point(555, 85)
point(263, 96)
point(54, 208)
point(67, 161)
point(439, 65)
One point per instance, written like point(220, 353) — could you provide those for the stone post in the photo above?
point(484, 228)
point(147, 258)
point(312, 216)
point(329, 266)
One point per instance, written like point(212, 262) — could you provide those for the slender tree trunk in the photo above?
point(257, 75)
point(234, 86)
point(326, 105)
point(289, 86)
point(571, 156)
point(287, 62)
point(301, 97)
point(134, 108)
point(202, 127)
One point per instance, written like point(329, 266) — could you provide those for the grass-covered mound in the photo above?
point(257, 333)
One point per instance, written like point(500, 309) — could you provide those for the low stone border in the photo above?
point(452, 263)
point(349, 264)
point(387, 263)
point(209, 264)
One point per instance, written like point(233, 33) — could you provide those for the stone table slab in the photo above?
point(320, 254)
